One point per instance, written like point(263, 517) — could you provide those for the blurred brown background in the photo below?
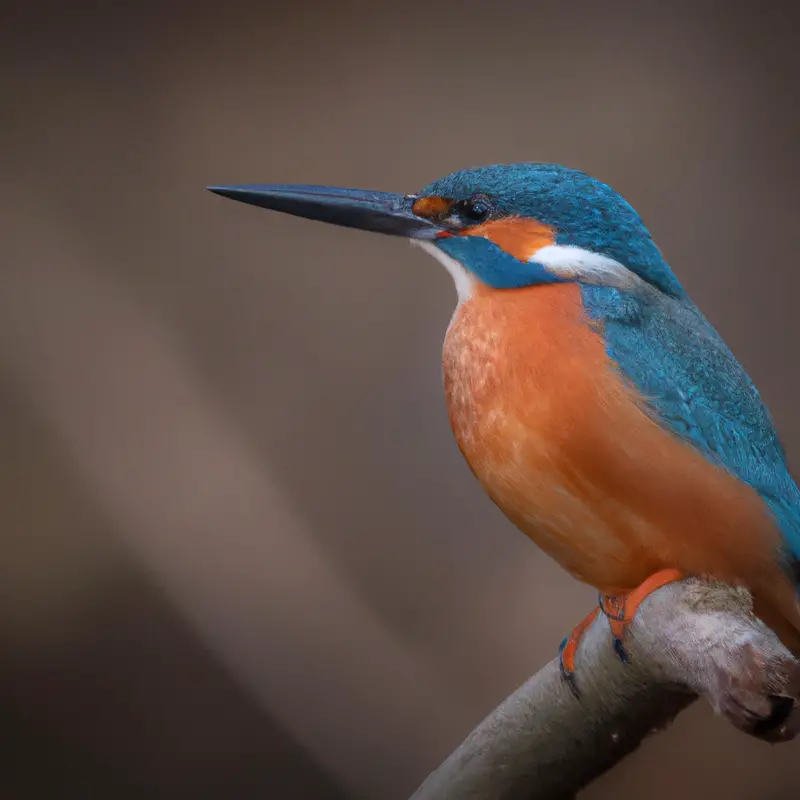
point(241, 556)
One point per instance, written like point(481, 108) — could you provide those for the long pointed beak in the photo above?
point(381, 212)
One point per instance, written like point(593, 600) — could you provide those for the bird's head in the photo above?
point(506, 226)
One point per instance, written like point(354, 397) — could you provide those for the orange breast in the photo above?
point(567, 450)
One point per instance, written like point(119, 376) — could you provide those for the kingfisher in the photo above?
point(591, 398)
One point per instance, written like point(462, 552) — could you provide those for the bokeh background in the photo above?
point(240, 553)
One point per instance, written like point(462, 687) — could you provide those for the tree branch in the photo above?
point(688, 639)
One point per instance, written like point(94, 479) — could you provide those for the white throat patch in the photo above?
point(461, 277)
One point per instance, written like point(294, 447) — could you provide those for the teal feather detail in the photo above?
point(699, 391)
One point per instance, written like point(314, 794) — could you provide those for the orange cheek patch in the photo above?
point(518, 236)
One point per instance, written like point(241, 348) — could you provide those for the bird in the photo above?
point(597, 406)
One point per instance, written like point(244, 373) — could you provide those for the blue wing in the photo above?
point(701, 392)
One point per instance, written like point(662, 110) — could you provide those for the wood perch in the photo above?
point(689, 639)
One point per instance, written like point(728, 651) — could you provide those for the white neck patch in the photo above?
point(463, 280)
point(568, 261)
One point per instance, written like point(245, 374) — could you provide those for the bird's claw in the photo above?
point(620, 611)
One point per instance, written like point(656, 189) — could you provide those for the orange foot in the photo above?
point(620, 611)
point(568, 649)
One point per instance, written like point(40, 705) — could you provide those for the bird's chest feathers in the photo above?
point(522, 370)
point(518, 360)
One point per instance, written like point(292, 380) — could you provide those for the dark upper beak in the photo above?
point(381, 212)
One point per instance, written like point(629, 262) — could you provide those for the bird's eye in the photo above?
point(476, 209)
